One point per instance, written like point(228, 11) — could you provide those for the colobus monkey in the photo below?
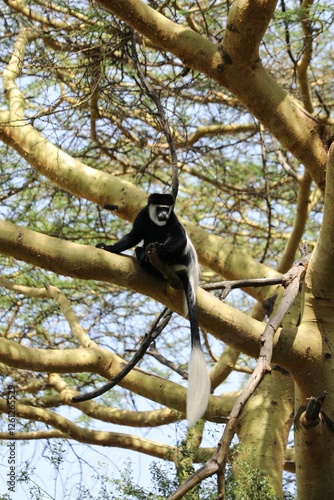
point(158, 225)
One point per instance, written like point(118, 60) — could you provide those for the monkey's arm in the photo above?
point(127, 241)
point(131, 239)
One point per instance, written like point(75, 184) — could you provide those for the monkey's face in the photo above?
point(160, 214)
point(160, 207)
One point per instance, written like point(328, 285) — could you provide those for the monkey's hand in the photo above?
point(108, 248)
point(152, 246)
point(155, 247)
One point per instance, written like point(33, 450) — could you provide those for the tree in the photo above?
point(246, 90)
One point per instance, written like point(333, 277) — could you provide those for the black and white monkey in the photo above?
point(158, 225)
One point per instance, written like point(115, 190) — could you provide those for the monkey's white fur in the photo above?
point(193, 271)
point(198, 386)
point(193, 268)
point(199, 383)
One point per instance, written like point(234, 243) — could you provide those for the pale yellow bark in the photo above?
point(314, 440)
point(265, 424)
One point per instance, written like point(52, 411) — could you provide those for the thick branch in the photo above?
point(321, 265)
point(85, 262)
point(216, 130)
point(13, 70)
point(306, 58)
point(92, 360)
point(303, 208)
point(64, 171)
point(88, 436)
point(105, 413)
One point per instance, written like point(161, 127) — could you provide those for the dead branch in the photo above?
point(155, 331)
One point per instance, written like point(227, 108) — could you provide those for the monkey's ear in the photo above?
point(108, 206)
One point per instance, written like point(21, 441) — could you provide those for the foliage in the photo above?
point(250, 482)
point(250, 485)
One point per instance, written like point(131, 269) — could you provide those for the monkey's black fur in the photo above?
point(170, 238)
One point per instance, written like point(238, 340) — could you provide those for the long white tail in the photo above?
point(198, 386)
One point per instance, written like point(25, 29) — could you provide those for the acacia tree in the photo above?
point(247, 93)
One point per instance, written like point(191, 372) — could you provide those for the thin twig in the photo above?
point(162, 118)
point(164, 361)
point(231, 285)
